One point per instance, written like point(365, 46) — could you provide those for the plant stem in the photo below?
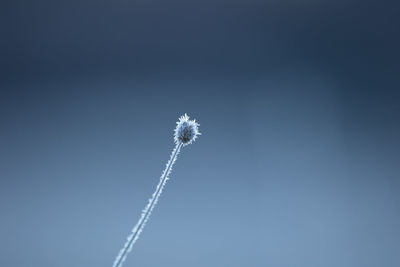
point(148, 209)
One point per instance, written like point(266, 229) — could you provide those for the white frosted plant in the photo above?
point(186, 132)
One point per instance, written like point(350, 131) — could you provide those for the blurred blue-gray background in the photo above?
point(298, 102)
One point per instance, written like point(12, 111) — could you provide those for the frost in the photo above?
point(186, 132)
point(137, 230)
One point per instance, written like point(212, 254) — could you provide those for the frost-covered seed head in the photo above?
point(186, 130)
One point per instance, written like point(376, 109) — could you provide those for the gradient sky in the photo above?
point(298, 163)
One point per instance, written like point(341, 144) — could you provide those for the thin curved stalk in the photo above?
point(133, 237)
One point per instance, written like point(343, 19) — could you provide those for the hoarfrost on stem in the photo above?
point(186, 132)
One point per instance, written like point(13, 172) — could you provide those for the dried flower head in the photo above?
point(185, 133)
point(186, 130)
